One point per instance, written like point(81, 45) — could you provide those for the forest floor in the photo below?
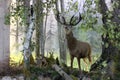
point(17, 58)
point(41, 73)
point(20, 77)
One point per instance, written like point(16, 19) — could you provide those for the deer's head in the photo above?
point(68, 25)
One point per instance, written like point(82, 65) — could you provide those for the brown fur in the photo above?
point(77, 48)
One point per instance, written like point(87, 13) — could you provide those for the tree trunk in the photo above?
point(61, 35)
point(4, 35)
point(108, 52)
point(17, 29)
point(37, 27)
point(62, 43)
point(41, 29)
point(27, 42)
point(17, 34)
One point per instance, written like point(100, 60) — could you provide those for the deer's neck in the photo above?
point(71, 41)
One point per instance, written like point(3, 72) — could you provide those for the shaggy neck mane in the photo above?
point(71, 41)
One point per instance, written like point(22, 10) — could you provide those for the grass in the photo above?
point(84, 66)
point(18, 57)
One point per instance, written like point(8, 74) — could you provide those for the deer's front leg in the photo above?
point(81, 75)
point(72, 58)
point(78, 59)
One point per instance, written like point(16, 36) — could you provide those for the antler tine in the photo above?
point(63, 22)
point(80, 18)
point(58, 19)
point(73, 24)
point(71, 19)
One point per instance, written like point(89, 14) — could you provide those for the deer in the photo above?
point(78, 49)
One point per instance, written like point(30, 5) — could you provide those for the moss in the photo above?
point(117, 67)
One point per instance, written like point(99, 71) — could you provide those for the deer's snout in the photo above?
point(67, 30)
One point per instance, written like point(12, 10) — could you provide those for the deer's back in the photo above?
point(82, 50)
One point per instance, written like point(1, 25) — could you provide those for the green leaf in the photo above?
point(7, 19)
point(110, 15)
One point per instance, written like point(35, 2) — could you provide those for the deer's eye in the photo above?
point(66, 28)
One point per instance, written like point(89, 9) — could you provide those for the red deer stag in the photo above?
point(76, 48)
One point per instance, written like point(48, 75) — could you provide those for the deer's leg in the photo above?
point(78, 59)
point(89, 58)
point(84, 59)
point(81, 75)
point(72, 58)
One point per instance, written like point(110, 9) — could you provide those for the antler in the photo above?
point(72, 20)
point(61, 19)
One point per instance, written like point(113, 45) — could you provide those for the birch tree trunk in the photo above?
point(27, 51)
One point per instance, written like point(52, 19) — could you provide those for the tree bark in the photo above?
point(37, 27)
point(41, 29)
point(61, 34)
point(17, 34)
point(61, 72)
point(27, 42)
point(110, 52)
point(27, 51)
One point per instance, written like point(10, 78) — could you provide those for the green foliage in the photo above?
point(17, 12)
point(74, 78)
point(7, 19)
point(90, 22)
point(32, 46)
point(90, 18)
point(116, 4)
point(73, 7)
point(117, 66)
point(112, 30)
point(44, 71)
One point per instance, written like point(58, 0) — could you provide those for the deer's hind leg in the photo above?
point(86, 68)
point(90, 58)
point(84, 59)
